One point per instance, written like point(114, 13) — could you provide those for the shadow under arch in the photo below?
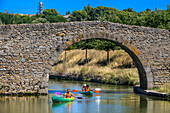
point(136, 60)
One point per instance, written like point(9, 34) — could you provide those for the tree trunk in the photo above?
point(86, 56)
point(108, 59)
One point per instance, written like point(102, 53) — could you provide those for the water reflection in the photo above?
point(103, 102)
point(61, 107)
point(25, 104)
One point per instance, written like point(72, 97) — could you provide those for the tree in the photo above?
point(26, 19)
point(6, 11)
point(78, 16)
point(168, 8)
point(129, 10)
point(87, 44)
point(0, 22)
point(107, 46)
point(148, 9)
point(50, 12)
point(67, 13)
point(98, 44)
point(156, 18)
point(88, 10)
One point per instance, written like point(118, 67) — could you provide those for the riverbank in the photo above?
point(155, 93)
point(120, 71)
point(162, 89)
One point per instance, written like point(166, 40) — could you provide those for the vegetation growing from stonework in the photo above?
point(157, 18)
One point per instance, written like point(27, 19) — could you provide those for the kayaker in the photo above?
point(68, 94)
point(84, 88)
point(87, 88)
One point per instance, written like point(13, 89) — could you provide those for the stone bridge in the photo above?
point(28, 51)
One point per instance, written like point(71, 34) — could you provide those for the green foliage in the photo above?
point(148, 9)
point(50, 12)
point(58, 18)
point(98, 44)
point(106, 45)
point(52, 16)
point(0, 22)
point(129, 10)
point(26, 19)
point(67, 13)
point(7, 18)
point(40, 20)
point(156, 18)
point(49, 15)
point(78, 16)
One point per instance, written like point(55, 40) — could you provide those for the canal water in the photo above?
point(112, 99)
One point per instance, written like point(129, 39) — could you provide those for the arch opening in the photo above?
point(137, 62)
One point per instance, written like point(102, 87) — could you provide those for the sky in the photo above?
point(30, 6)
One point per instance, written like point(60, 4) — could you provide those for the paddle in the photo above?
point(79, 96)
point(96, 91)
point(57, 93)
point(74, 90)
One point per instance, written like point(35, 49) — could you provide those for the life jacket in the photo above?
point(83, 89)
point(68, 95)
point(88, 89)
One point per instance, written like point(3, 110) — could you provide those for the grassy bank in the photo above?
point(119, 71)
point(162, 89)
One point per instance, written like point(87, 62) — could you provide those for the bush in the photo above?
point(58, 18)
point(40, 20)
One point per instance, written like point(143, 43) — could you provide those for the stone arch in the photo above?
point(28, 51)
point(124, 44)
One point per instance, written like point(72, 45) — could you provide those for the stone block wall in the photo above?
point(28, 51)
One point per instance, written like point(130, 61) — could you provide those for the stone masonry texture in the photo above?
point(28, 51)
